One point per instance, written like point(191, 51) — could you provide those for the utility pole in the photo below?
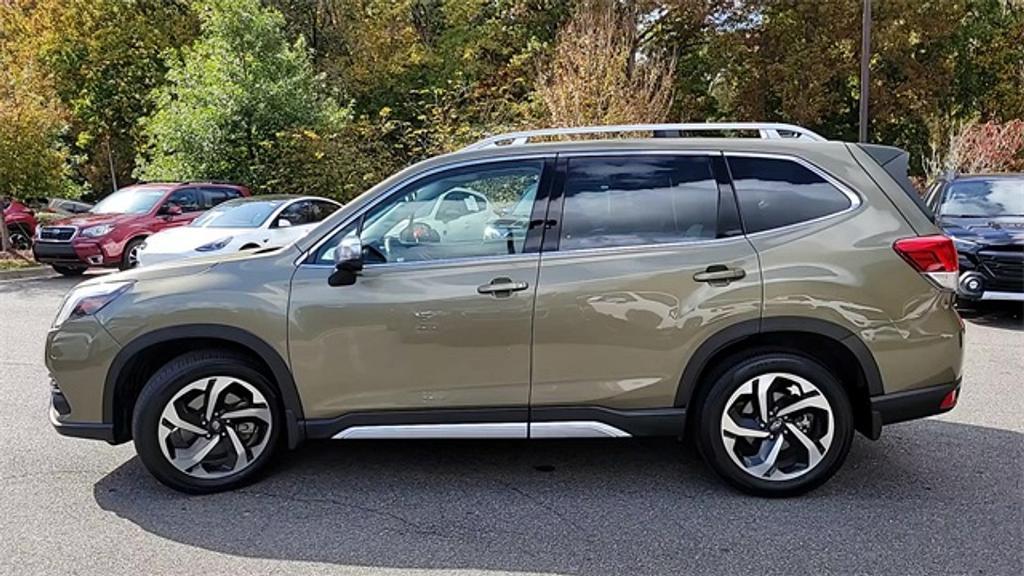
point(865, 72)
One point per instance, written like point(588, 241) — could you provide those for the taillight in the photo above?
point(933, 256)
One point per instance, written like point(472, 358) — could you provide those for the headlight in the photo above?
point(97, 231)
point(88, 300)
point(215, 245)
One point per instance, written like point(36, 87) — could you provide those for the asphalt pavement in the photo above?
point(937, 496)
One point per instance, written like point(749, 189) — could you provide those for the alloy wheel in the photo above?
point(133, 255)
point(777, 426)
point(215, 427)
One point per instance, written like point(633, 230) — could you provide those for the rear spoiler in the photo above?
point(896, 163)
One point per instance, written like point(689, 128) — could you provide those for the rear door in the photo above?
point(645, 261)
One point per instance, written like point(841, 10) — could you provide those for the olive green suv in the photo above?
point(767, 296)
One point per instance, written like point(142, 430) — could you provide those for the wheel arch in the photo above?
point(824, 341)
point(141, 357)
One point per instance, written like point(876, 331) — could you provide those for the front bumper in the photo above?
point(911, 405)
point(90, 430)
point(75, 253)
point(78, 356)
point(992, 275)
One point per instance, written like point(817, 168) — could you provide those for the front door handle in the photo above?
point(719, 275)
point(502, 287)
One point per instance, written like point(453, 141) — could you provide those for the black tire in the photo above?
point(728, 380)
point(167, 382)
point(70, 271)
point(126, 256)
point(19, 237)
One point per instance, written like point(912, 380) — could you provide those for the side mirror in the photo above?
point(348, 262)
point(284, 223)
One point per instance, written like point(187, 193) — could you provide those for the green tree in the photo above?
point(234, 103)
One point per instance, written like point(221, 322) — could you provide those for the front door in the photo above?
point(432, 321)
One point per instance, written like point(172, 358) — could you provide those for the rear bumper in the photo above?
point(910, 405)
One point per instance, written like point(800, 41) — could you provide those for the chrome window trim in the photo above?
point(300, 261)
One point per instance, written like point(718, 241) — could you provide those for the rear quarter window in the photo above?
point(777, 192)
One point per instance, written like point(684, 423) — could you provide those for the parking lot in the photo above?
point(938, 496)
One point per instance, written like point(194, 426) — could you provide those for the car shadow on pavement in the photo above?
point(930, 497)
point(1002, 315)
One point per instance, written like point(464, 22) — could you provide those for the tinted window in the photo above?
point(297, 213)
point(635, 200)
point(461, 213)
point(774, 192)
point(215, 196)
point(320, 210)
point(187, 199)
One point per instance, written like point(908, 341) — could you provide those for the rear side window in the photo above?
point(775, 192)
point(215, 196)
point(636, 200)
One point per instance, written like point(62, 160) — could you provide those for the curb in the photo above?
point(23, 273)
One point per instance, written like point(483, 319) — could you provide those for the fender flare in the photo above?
point(281, 372)
point(736, 332)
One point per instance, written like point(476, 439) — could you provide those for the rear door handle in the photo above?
point(719, 275)
point(502, 287)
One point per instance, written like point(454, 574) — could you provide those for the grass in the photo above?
point(12, 262)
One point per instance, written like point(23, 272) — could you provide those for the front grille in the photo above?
point(56, 233)
point(1004, 268)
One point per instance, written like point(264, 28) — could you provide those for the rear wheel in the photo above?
point(69, 270)
point(205, 422)
point(775, 424)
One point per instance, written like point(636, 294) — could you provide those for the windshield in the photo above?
point(995, 197)
point(244, 214)
point(130, 201)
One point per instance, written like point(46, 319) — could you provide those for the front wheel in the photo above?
point(205, 422)
point(130, 257)
point(775, 424)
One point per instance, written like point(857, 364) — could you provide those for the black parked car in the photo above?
point(984, 214)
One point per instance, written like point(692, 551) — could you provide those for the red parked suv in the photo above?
point(21, 223)
point(112, 231)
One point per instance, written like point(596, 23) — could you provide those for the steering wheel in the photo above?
point(419, 233)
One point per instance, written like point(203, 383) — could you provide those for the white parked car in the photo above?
point(241, 224)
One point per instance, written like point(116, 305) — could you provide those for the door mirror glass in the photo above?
point(348, 261)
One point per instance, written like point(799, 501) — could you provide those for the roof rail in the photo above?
point(765, 130)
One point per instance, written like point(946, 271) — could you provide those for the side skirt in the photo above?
point(500, 423)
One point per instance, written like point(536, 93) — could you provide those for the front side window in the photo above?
point(776, 192)
point(187, 199)
point(462, 213)
point(636, 200)
point(297, 214)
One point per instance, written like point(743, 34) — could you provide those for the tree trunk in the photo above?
point(5, 241)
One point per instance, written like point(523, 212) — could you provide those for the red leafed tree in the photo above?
point(974, 148)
